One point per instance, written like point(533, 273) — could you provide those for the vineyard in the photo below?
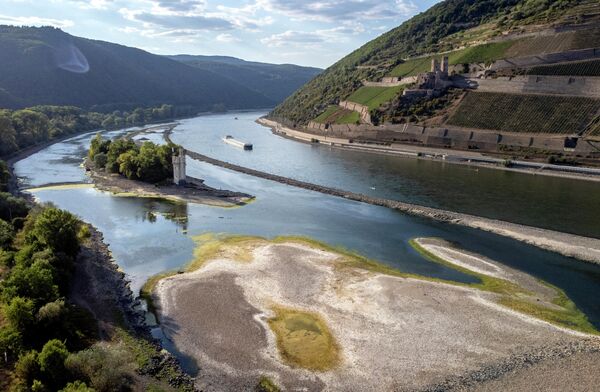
point(338, 115)
point(374, 97)
point(525, 113)
point(582, 68)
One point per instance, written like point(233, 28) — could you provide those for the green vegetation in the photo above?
point(4, 176)
point(486, 53)
point(324, 117)
point(265, 384)
point(148, 162)
point(120, 77)
point(23, 128)
point(582, 68)
point(446, 26)
point(525, 113)
point(304, 340)
point(374, 97)
point(565, 314)
point(338, 115)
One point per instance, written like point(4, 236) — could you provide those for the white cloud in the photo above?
point(311, 39)
point(340, 10)
point(35, 21)
point(227, 38)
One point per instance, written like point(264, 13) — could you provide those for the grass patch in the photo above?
point(304, 340)
point(374, 97)
point(412, 67)
point(265, 384)
point(350, 117)
point(331, 110)
point(486, 53)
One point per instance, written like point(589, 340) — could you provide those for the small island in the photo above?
point(146, 169)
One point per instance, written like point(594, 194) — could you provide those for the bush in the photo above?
point(36, 283)
point(4, 176)
point(11, 341)
point(27, 368)
point(100, 160)
point(103, 367)
point(20, 312)
point(52, 362)
point(77, 386)
point(7, 234)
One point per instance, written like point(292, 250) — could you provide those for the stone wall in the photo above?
point(391, 82)
point(555, 85)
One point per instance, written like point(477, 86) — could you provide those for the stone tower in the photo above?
point(435, 65)
point(179, 175)
point(445, 65)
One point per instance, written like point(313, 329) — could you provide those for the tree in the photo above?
point(98, 145)
point(52, 362)
point(4, 173)
point(6, 234)
point(8, 135)
point(20, 312)
point(11, 342)
point(36, 283)
point(32, 127)
point(12, 207)
point(56, 229)
point(100, 160)
point(103, 366)
point(27, 368)
point(118, 147)
point(128, 164)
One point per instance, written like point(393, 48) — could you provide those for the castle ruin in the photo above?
point(179, 176)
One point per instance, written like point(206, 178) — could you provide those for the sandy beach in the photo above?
point(393, 332)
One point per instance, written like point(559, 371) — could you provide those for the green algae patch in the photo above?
point(265, 384)
point(304, 340)
point(213, 246)
point(561, 312)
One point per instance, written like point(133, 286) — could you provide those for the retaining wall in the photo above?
point(363, 110)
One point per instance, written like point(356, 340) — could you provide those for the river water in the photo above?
point(149, 236)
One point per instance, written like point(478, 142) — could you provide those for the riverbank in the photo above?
point(582, 248)
point(193, 193)
point(456, 157)
point(391, 331)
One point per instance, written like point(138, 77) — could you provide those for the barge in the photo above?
point(237, 143)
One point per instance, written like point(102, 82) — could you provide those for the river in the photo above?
point(149, 236)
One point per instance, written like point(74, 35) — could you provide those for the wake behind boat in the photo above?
point(237, 143)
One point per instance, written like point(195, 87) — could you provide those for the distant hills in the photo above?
point(275, 81)
point(46, 66)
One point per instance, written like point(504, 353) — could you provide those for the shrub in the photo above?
point(77, 386)
point(56, 229)
point(20, 312)
point(11, 342)
point(6, 234)
point(100, 160)
point(27, 368)
point(12, 207)
point(103, 367)
point(52, 361)
point(36, 283)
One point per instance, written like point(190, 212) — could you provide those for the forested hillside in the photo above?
point(448, 25)
point(275, 81)
point(46, 66)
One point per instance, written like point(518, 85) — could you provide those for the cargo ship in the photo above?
point(237, 143)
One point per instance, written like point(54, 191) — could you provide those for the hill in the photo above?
point(474, 31)
point(275, 81)
point(46, 66)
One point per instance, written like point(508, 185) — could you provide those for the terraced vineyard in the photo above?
point(485, 53)
point(374, 97)
point(583, 68)
point(338, 115)
point(525, 113)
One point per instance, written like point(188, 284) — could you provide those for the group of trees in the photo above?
point(148, 162)
point(23, 128)
point(39, 328)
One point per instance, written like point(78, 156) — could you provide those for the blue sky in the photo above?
point(308, 32)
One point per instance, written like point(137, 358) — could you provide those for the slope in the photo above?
point(275, 81)
point(48, 66)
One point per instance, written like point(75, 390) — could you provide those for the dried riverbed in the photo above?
point(391, 331)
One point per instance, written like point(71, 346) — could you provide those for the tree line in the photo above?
point(27, 127)
point(148, 162)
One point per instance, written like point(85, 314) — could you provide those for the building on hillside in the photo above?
point(433, 82)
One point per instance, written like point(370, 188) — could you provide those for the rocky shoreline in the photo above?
point(100, 287)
